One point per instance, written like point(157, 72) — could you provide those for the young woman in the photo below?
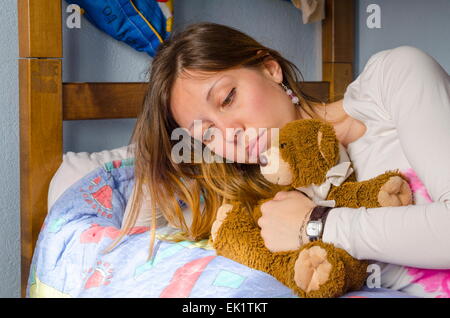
point(395, 115)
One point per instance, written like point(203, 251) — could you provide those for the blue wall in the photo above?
point(424, 24)
point(9, 153)
point(90, 55)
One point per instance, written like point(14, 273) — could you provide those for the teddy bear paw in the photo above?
point(222, 212)
point(312, 268)
point(395, 192)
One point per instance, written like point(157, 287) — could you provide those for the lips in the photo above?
point(257, 145)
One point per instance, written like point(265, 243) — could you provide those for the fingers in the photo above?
point(280, 195)
point(283, 195)
point(266, 207)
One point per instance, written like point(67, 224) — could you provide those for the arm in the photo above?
point(414, 92)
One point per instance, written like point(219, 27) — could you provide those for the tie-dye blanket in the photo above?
point(68, 259)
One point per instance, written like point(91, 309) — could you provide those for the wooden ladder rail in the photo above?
point(40, 115)
point(338, 45)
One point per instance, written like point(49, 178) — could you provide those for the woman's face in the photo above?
point(236, 113)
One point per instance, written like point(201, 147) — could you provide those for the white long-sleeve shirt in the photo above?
point(403, 97)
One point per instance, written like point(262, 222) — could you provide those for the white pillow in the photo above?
point(76, 165)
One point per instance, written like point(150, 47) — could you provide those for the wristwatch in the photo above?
point(316, 223)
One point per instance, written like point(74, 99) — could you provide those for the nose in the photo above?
point(230, 126)
point(232, 134)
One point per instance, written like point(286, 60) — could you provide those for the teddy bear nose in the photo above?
point(263, 161)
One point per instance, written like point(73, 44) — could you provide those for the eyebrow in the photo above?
point(208, 95)
point(212, 87)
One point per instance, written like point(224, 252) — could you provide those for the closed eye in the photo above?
point(229, 98)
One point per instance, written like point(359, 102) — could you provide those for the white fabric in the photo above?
point(312, 10)
point(403, 98)
point(335, 176)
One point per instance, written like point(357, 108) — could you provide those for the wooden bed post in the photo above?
point(338, 45)
point(40, 115)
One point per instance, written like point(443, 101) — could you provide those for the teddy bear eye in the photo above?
point(283, 145)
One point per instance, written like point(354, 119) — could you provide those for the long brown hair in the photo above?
point(210, 48)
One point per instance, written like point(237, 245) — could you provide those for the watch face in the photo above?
point(314, 228)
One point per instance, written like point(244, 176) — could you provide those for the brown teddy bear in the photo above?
point(310, 159)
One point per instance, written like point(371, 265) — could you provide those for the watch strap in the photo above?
point(320, 213)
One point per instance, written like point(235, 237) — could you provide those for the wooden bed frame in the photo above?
point(45, 101)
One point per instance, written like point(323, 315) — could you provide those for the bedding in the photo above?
point(84, 219)
point(75, 165)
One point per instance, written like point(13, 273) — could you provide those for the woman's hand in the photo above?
point(282, 218)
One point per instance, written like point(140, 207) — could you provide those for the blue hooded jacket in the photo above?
point(142, 24)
